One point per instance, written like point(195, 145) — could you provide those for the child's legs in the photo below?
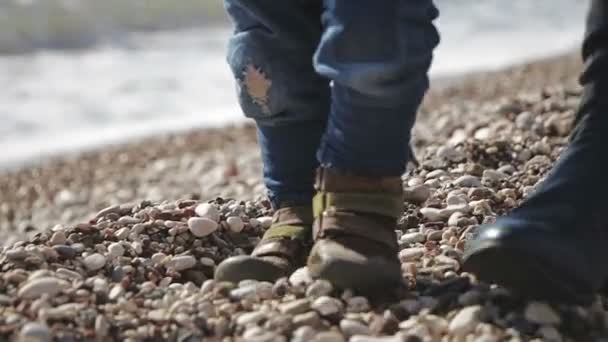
point(377, 57)
point(271, 57)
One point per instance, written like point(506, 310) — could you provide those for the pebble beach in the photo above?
point(120, 243)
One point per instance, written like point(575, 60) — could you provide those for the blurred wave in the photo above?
point(26, 25)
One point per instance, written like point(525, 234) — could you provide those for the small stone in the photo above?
point(327, 306)
point(329, 336)
point(158, 315)
point(250, 318)
point(351, 327)
point(35, 332)
point(550, 333)
point(201, 226)
point(207, 210)
point(265, 222)
point(411, 238)
point(58, 238)
point(295, 307)
point(303, 334)
point(300, 277)
point(542, 314)
point(39, 286)
point(101, 327)
point(524, 120)
point(116, 292)
point(235, 224)
point(395, 338)
point(357, 304)
point(411, 254)
point(465, 321)
point(468, 181)
point(493, 175)
point(94, 262)
point(182, 262)
point(122, 233)
point(115, 250)
point(431, 214)
point(449, 153)
point(417, 194)
point(318, 288)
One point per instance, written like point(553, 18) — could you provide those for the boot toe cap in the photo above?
point(242, 267)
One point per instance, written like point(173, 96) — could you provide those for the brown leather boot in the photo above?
point(283, 249)
point(354, 230)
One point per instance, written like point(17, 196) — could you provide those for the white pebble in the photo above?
point(465, 321)
point(94, 262)
point(181, 263)
point(265, 221)
point(411, 254)
point(235, 224)
point(35, 332)
point(431, 214)
point(115, 250)
point(301, 276)
point(39, 286)
point(411, 238)
point(351, 327)
point(327, 306)
point(468, 181)
point(201, 226)
point(208, 210)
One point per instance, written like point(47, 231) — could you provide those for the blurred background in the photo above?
point(76, 74)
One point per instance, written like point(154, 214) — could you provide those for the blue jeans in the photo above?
point(333, 82)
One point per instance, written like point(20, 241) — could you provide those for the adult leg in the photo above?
point(552, 247)
point(270, 55)
point(377, 57)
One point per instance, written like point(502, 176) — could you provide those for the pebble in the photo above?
point(46, 285)
point(115, 250)
point(250, 318)
point(303, 334)
point(201, 226)
point(265, 222)
point(329, 336)
point(300, 277)
point(357, 304)
point(122, 233)
point(94, 262)
point(35, 332)
point(541, 313)
point(411, 254)
point(412, 238)
point(58, 238)
point(465, 321)
point(327, 306)
point(181, 263)
point(101, 327)
point(417, 194)
point(351, 327)
point(431, 214)
point(235, 224)
point(209, 211)
point(524, 120)
point(468, 181)
point(493, 175)
point(295, 307)
point(318, 288)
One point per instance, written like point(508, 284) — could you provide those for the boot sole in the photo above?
point(236, 269)
point(525, 274)
point(373, 278)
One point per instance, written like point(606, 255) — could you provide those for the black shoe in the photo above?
point(555, 246)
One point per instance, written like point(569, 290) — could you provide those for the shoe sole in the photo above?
point(372, 278)
point(236, 269)
point(523, 273)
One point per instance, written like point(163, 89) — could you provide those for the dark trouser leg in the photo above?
point(271, 57)
point(549, 248)
point(378, 57)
